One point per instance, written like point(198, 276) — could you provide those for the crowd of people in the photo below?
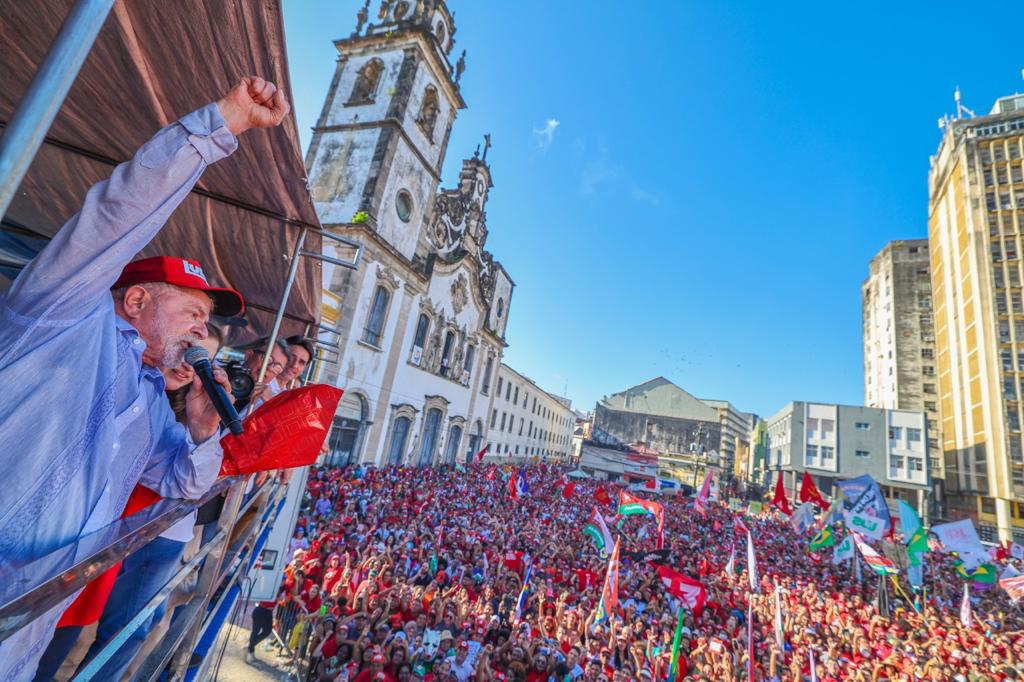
point(405, 574)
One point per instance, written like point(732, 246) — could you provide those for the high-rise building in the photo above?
point(736, 427)
point(975, 226)
point(899, 341)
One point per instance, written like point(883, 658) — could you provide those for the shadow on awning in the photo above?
point(154, 61)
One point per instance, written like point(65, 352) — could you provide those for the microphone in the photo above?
point(200, 361)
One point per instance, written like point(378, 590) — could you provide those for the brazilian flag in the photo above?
point(823, 539)
point(984, 574)
point(917, 546)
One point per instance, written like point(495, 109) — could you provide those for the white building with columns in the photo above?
point(420, 324)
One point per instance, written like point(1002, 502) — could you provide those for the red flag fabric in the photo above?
point(738, 525)
point(284, 432)
point(690, 591)
point(483, 451)
point(568, 490)
point(809, 492)
point(602, 496)
point(779, 501)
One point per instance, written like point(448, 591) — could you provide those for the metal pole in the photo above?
point(39, 105)
point(275, 330)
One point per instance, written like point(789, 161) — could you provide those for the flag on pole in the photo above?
point(691, 592)
point(755, 582)
point(780, 501)
point(730, 567)
point(966, 616)
point(522, 593)
point(802, 518)
point(809, 492)
point(630, 505)
point(601, 495)
point(598, 532)
point(879, 563)
point(610, 592)
point(1014, 586)
point(750, 642)
point(985, 574)
point(780, 633)
point(517, 485)
point(738, 525)
point(814, 668)
point(479, 457)
point(824, 538)
point(843, 551)
point(914, 535)
point(673, 670)
point(700, 503)
point(882, 599)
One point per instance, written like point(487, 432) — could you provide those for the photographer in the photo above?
point(72, 458)
point(246, 373)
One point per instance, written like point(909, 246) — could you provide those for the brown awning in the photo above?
point(153, 62)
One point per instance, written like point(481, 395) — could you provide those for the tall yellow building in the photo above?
point(975, 233)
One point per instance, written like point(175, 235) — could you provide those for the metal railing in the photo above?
point(223, 562)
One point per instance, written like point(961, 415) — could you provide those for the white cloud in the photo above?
point(601, 172)
point(546, 135)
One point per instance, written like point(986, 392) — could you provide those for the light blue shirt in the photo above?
point(82, 420)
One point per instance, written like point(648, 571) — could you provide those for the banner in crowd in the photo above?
point(803, 518)
point(1014, 586)
point(700, 503)
point(610, 591)
point(824, 538)
point(862, 495)
point(691, 592)
point(876, 561)
point(755, 581)
point(653, 555)
point(866, 524)
point(914, 534)
point(597, 530)
point(755, 508)
point(843, 551)
point(960, 537)
point(629, 505)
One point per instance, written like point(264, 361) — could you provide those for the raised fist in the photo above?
point(253, 103)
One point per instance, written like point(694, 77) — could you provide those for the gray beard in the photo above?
point(174, 350)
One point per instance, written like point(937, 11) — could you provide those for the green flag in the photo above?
point(914, 534)
point(673, 671)
point(433, 563)
point(823, 539)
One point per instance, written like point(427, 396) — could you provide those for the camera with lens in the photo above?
point(242, 383)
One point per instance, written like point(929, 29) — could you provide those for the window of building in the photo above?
point(467, 366)
point(446, 353)
point(403, 205)
point(515, 400)
point(828, 426)
point(1016, 456)
point(487, 376)
point(916, 463)
point(521, 421)
point(1015, 302)
point(375, 320)
point(420, 338)
point(928, 353)
point(928, 370)
point(862, 453)
point(494, 417)
point(928, 388)
point(504, 415)
point(930, 406)
point(508, 391)
point(895, 433)
point(896, 462)
point(997, 272)
point(811, 454)
point(1001, 303)
point(1004, 331)
point(913, 435)
point(863, 426)
point(1013, 420)
point(1006, 356)
point(399, 435)
point(828, 453)
point(812, 427)
point(1013, 269)
point(997, 252)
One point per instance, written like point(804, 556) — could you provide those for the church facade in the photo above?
point(419, 326)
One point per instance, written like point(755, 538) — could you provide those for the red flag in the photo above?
point(809, 492)
point(717, 525)
point(779, 501)
point(738, 525)
point(690, 591)
point(483, 451)
point(601, 495)
point(568, 490)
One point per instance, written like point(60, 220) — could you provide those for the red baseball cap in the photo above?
point(181, 272)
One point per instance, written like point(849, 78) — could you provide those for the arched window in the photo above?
point(428, 112)
point(431, 426)
point(399, 435)
point(467, 366)
point(346, 430)
point(486, 385)
point(452, 449)
point(366, 82)
point(375, 321)
point(420, 339)
point(446, 352)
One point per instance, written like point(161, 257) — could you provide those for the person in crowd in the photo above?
point(301, 351)
point(280, 358)
point(71, 459)
point(426, 573)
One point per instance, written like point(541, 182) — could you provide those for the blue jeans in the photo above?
point(142, 576)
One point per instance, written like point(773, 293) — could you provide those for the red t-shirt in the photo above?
point(585, 578)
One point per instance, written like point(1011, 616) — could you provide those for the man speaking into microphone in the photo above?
point(83, 335)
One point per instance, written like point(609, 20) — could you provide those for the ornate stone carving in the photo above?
point(385, 276)
point(460, 293)
point(362, 17)
point(487, 274)
point(460, 66)
point(433, 360)
point(458, 354)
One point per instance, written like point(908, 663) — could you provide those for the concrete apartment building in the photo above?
point(735, 440)
point(527, 421)
point(975, 224)
point(835, 442)
point(899, 340)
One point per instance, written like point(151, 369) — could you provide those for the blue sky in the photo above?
point(718, 178)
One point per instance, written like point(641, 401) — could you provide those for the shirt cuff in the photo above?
point(208, 133)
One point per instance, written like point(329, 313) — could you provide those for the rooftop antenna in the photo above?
point(960, 108)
